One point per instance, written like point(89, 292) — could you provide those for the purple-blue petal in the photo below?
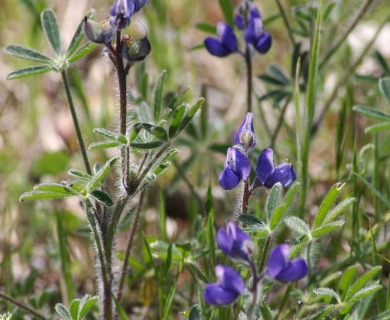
point(295, 270)
point(216, 295)
point(225, 241)
point(227, 37)
point(284, 174)
point(229, 279)
point(239, 21)
point(264, 43)
point(265, 165)
point(278, 260)
point(228, 179)
point(215, 47)
point(253, 12)
point(250, 33)
point(242, 165)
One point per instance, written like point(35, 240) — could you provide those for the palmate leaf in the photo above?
point(361, 282)
point(78, 36)
point(103, 145)
point(361, 294)
point(273, 199)
point(372, 112)
point(384, 88)
point(29, 71)
point(34, 195)
point(102, 197)
point(377, 127)
point(87, 304)
point(101, 174)
point(205, 27)
point(81, 52)
point(327, 203)
point(158, 132)
point(327, 292)
point(297, 225)
point(195, 313)
point(27, 53)
point(63, 311)
point(158, 95)
point(51, 30)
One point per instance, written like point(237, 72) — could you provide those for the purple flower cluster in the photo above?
point(238, 245)
point(237, 166)
point(247, 19)
point(122, 10)
point(120, 13)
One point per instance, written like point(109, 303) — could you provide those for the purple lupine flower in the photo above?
point(281, 268)
point(237, 167)
point(235, 242)
point(267, 174)
point(245, 135)
point(224, 44)
point(251, 11)
point(256, 36)
point(122, 10)
point(228, 287)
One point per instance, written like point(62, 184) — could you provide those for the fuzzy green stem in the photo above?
point(286, 23)
point(107, 292)
point(308, 256)
point(264, 254)
point(129, 246)
point(284, 300)
point(251, 310)
point(75, 121)
point(22, 306)
point(122, 82)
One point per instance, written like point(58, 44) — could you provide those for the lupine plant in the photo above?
point(279, 213)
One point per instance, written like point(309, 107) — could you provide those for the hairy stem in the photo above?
point(75, 121)
point(107, 304)
point(122, 82)
point(264, 254)
point(251, 310)
point(284, 300)
point(22, 306)
point(246, 194)
point(129, 246)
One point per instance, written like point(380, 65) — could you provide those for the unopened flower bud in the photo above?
point(135, 50)
point(98, 32)
point(245, 135)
